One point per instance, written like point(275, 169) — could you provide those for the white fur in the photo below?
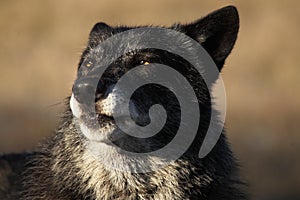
point(106, 107)
point(99, 143)
point(76, 110)
point(98, 135)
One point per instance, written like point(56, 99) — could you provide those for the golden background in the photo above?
point(40, 45)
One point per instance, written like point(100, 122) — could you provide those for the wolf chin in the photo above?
point(69, 164)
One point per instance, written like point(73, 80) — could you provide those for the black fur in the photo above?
point(59, 168)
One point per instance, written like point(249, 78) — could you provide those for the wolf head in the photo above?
point(217, 33)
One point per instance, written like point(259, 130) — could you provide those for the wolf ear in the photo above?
point(217, 33)
point(99, 33)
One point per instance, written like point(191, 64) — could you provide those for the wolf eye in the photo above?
point(89, 64)
point(143, 62)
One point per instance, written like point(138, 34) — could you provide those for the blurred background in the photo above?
point(40, 45)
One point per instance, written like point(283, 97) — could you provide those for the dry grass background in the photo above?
point(40, 44)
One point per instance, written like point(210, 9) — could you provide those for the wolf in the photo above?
point(70, 163)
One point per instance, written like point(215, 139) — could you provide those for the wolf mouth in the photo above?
point(105, 118)
point(97, 121)
point(97, 126)
point(110, 121)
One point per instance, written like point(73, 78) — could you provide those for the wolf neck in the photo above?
point(94, 180)
point(66, 170)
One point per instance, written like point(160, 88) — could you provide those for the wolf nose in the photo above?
point(86, 89)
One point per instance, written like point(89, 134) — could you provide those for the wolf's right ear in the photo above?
point(217, 33)
point(99, 33)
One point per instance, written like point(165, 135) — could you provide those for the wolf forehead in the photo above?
point(133, 43)
point(123, 48)
point(216, 32)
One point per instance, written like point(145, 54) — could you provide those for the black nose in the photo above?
point(85, 90)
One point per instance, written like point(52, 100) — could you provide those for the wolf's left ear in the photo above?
point(217, 33)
